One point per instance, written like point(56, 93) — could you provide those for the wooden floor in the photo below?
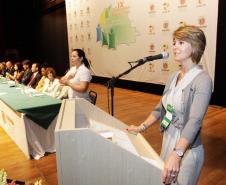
point(131, 107)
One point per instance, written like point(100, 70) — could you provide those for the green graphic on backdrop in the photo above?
point(115, 28)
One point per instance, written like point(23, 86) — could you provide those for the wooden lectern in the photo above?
point(93, 148)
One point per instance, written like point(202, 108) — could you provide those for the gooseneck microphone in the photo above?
point(163, 55)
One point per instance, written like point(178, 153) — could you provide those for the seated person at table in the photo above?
point(79, 82)
point(51, 86)
point(64, 89)
point(18, 73)
point(2, 69)
point(41, 82)
point(9, 69)
point(35, 77)
point(27, 72)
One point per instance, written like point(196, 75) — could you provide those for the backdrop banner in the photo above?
point(115, 32)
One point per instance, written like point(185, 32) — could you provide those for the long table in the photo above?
point(28, 117)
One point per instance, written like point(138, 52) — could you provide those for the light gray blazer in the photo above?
point(195, 99)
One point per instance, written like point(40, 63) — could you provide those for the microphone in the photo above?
point(163, 55)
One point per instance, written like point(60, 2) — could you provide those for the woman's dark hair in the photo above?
point(82, 54)
point(19, 66)
point(27, 62)
point(44, 65)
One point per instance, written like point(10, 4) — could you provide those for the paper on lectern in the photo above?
point(117, 136)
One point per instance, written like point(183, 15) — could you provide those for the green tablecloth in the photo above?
point(40, 109)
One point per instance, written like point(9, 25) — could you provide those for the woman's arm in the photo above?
point(143, 126)
point(80, 87)
point(9, 76)
point(19, 76)
point(151, 119)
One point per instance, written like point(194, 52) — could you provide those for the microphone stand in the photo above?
point(111, 83)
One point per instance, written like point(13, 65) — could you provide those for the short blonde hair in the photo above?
point(195, 36)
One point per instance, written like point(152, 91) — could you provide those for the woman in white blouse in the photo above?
point(52, 85)
point(78, 81)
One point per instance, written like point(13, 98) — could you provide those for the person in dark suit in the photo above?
point(36, 76)
point(9, 68)
point(27, 72)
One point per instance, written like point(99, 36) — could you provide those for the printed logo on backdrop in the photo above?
point(201, 3)
point(82, 38)
point(88, 23)
point(166, 7)
point(88, 10)
point(82, 24)
point(202, 22)
point(165, 47)
point(81, 13)
point(70, 27)
point(152, 48)
point(165, 26)
point(182, 4)
point(151, 30)
point(75, 13)
point(151, 67)
point(88, 51)
point(165, 66)
point(76, 38)
point(89, 36)
point(115, 27)
point(152, 8)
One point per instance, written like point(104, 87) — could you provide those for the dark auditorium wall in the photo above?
point(38, 32)
point(51, 38)
point(17, 26)
point(219, 95)
point(2, 41)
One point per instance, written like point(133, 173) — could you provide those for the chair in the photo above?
point(93, 97)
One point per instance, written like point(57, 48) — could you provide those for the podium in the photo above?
point(93, 148)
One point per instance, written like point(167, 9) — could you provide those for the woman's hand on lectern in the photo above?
point(135, 129)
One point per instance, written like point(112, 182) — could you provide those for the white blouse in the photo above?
point(82, 75)
point(174, 95)
point(51, 88)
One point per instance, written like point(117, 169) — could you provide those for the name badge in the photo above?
point(168, 117)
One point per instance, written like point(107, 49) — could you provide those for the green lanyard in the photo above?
point(168, 117)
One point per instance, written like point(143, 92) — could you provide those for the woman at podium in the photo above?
point(182, 108)
point(79, 77)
